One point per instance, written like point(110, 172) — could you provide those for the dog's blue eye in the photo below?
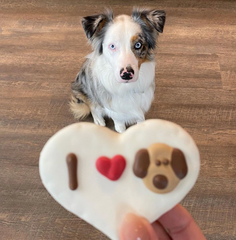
point(137, 45)
point(112, 46)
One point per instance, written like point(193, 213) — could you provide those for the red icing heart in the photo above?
point(111, 168)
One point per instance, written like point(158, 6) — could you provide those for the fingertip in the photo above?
point(134, 227)
point(150, 229)
point(180, 224)
point(176, 215)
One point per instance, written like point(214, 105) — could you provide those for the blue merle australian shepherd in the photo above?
point(118, 78)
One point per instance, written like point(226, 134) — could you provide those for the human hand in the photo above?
point(177, 224)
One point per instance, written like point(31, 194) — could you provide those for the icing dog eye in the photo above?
point(112, 46)
point(158, 163)
point(166, 162)
point(138, 45)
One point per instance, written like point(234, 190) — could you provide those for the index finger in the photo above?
point(180, 224)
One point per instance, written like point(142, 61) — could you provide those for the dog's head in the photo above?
point(161, 167)
point(125, 41)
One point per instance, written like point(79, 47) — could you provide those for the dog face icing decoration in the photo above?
point(161, 167)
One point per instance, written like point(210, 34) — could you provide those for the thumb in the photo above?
point(136, 228)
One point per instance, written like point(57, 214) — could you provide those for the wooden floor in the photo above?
point(42, 47)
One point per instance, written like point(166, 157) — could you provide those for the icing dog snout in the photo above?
point(161, 167)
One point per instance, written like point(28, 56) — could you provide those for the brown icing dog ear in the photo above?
point(141, 163)
point(178, 163)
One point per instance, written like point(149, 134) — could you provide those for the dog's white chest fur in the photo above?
point(130, 101)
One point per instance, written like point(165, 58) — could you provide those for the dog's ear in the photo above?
point(94, 24)
point(178, 163)
point(141, 163)
point(154, 18)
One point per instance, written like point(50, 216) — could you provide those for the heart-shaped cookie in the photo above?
point(157, 165)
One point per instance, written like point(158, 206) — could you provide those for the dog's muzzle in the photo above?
point(127, 73)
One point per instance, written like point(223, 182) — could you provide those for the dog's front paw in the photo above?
point(120, 127)
point(140, 120)
point(99, 121)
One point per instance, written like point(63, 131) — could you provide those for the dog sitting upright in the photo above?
point(118, 78)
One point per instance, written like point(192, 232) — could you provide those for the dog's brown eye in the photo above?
point(166, 162)
point(158, 162)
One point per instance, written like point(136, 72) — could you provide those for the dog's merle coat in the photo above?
point(100, 87)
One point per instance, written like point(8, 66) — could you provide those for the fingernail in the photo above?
point(133, 228)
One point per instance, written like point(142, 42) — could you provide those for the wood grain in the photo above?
point(42, 47)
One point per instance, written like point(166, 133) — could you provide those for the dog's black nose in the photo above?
point(127, 73)
point(126, 76)
point(160, 181)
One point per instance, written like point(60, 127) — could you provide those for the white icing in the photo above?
point(98, 200)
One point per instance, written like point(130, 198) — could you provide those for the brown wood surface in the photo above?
point(42, 46)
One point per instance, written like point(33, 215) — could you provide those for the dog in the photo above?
point(161, 167)
point(118, 78)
